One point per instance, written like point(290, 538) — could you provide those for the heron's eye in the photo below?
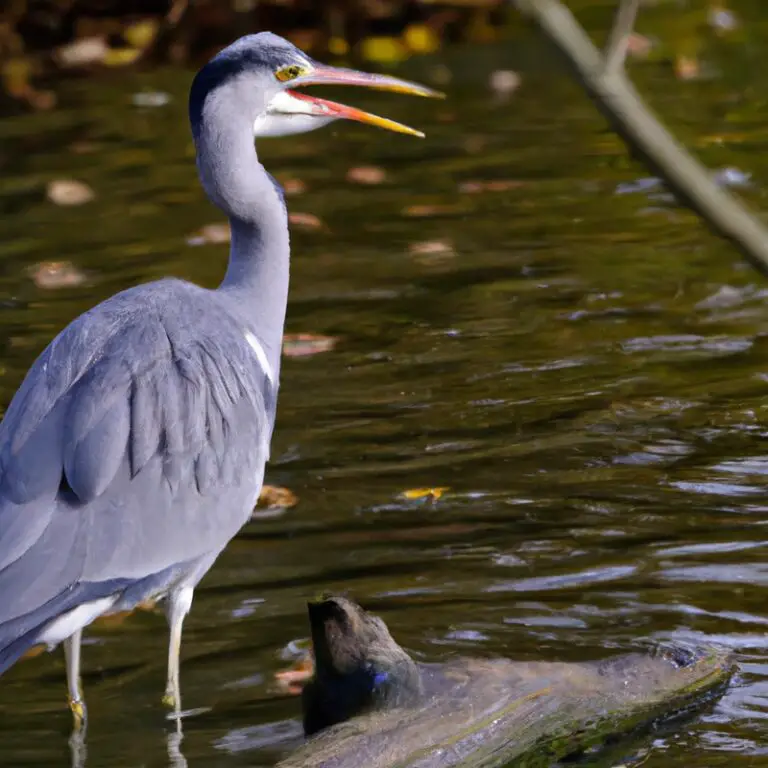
point(291, 72)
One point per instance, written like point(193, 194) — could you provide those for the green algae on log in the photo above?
point(374, 706)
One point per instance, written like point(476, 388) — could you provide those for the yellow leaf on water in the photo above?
point(121, 57)
point(35, 650)
point(385, 50)
point(421, 39)
point(429, 494)
point(141, 33)
point(338, 46)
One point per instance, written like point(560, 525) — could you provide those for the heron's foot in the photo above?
point(79, 713)
point(170, 699)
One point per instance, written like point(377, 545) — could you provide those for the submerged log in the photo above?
point(371, 705)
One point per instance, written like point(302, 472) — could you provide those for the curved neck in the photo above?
point(237, 183)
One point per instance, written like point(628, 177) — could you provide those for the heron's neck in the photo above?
point(236, 182)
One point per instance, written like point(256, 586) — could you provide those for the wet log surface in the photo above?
point(377, 707)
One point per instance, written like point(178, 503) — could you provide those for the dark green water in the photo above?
point(585, 370)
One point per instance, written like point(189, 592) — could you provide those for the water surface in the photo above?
point(579, 361)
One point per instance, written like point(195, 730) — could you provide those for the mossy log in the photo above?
point(371, 705)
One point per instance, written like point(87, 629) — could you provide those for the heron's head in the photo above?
point(260, 75)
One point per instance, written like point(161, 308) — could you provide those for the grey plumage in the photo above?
point(143, 428)
point(135, 448)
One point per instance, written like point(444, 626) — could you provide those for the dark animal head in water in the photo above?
point(358, 666)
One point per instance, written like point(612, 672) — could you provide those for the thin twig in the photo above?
point(618, 40)
point(642, 131)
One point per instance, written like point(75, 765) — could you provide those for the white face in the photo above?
point(286, 116)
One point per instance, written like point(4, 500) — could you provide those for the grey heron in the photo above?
point(134, 449)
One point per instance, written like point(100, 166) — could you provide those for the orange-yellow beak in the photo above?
point(304, 104)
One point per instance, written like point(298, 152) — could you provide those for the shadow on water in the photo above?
point(583, 369)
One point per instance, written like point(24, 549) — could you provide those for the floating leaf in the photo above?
point(305, 220)
point(366, 174)
point(69, 192)
point(84, 52)
point(275, 497)
point(141, 33)
point(432, 251)
point(421, 38)
point(424, 494)
point(338, 46)
point(385, 50)
point(305, 344)
point(687, 68)
point(639, 46)
point(114, 620)
point(292, 680)
point(56, 274)
point(427, 211)
point(476, 186)
point(292, 187)
point(121, 57)
point(151, 99)
point(211, 234)
point(35, 650)
point(504, 82)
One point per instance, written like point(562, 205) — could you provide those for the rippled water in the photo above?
point(579, 362)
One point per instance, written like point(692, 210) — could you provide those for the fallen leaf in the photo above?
point(121, 57)
point(151, 99)
point(141, 33)
point(292, 680)
point(504, 82)
point(275, 497)
point(305, 220)
point(421, 39)
point(211, 234)
point(432, 251)
point(639, 46)
point(476, 186)
point(366, 174)
point(56, 274)
point(426, 211)
point(35, 650)
point(426, 494)
point(338, 46)
point(69, 192)
point(385, 50)
point(81, 53)
point(293, 187)
point(113, 620)
point(687, 68)
point(305, 344)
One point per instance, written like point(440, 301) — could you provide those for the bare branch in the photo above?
point(618, 40)
point(642, 131)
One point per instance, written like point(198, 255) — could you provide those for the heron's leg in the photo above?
point(76, 701)
point(177, 607)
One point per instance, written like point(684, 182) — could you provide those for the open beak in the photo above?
point(322, 108)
